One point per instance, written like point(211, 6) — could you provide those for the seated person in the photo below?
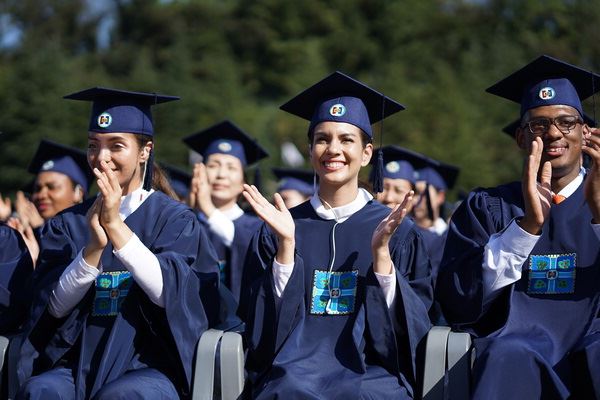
point(522, 260)
point(343, 298)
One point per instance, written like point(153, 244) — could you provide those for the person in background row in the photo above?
point(117, 310)
point(400, 176)
point(295, 185)
point(343, 283)
point(179, 180)
point(62, 179)
point(216, 187)
point(433, 182)
point(521, 263)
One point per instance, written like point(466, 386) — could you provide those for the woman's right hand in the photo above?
point(98, 238)
point(28, 237)
point(200, 194)
point(279, 220)
point(28, 214)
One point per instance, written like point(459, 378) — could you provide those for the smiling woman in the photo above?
point(337, 275)
point(216, 188)
point(119, 272)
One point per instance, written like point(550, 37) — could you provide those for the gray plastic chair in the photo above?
point(447, 365)
point(230, 363)
point(4, 342)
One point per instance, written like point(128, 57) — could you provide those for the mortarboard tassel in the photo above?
point(378, 173)
point(149, 172)
point(257, 178)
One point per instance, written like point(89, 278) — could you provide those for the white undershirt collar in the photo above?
point(342, 212)
point(132, 201)
point(233, 213)
point(574, 184)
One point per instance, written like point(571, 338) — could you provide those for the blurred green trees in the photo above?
point(241, 59)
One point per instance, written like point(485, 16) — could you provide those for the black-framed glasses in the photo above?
point(564, 123)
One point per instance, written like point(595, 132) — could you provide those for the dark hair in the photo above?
point(159, 177)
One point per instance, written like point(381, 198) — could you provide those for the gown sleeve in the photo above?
point(459, 285)
point(16, 268)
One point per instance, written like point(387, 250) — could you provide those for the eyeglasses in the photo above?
point(564, 123)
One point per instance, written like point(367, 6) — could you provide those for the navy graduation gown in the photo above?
point(16, 268)
point(552, 311)
point(435, 248)
point(100, 348)
point(297, 351)
point(232, 258)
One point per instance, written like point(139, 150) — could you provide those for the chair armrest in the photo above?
point(434, 367)
point(204, 367)
point(4, 342)
point(232, 366)
point(459, 365)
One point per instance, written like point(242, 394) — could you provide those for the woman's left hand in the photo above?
point(111, 195)
point(382, 260)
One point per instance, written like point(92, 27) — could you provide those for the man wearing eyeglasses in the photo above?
point(521, 267)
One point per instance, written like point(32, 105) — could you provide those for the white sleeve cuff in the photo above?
point(388, 285)
point(596, 229)
point(281, 276)
point(503, 258)
point(221, 225)
point(144, 268)
point(72, 286)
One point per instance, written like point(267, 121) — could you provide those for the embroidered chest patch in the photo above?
point(334, 293)
point(111, 290)
point(552, 274)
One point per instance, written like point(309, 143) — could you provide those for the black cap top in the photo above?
point(341, 98)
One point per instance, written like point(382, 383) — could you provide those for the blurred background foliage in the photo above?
point(241, 59)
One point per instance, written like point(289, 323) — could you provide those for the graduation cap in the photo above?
point(295, 179)
point(511, 129)
point(400, 163)
point(547, 81)
point(70, 161)
point(115, 110)
point(122, 111)
point(340, 98)
point(440, 175)
point(226, 138)
point(179, 179)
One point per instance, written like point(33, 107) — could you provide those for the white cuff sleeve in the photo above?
point(72, 286)
point(596, 229)
point(144, 268)
point(388, 285)
point(222, 226)
point(503, 259)
point(281, 276)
